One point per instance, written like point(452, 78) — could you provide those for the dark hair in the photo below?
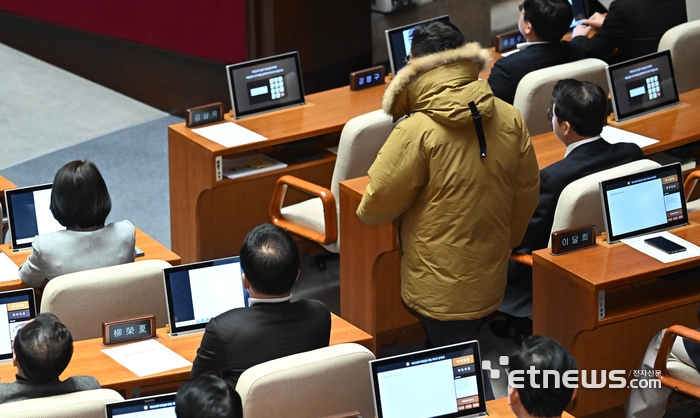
point(79, 196)
point(581, 103)
point(43, 348)
point(550, 19)
point(429, 38)
point(270, 259)
point(544, 354)
point(207, 396)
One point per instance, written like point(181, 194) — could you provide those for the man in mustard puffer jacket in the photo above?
point(463, 201)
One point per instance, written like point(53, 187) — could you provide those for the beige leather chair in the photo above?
point(579, 202)
point(317, 219)
point(86, 299)
point(328, 381)
point(85, 404)
point(534, 92)
point(674, 373)
point(682, 41)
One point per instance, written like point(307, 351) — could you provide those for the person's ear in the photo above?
point(513, 396)
point(573, 395)
point(298, 274)
point(566, 127)
point(246, 283)
point(14, 360)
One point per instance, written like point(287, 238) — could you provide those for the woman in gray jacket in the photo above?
point(80, 202)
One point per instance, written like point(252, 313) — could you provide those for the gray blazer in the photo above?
point(23, 389)
point(69, 251)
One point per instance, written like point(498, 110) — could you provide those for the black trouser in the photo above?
point(451, 332)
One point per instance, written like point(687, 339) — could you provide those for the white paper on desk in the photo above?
point(8, 269)
point(638, 244)
point(614, 135)
point(229, 134)
point(146, 357)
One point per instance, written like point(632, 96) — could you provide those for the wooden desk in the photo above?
point(152, 250)
point(369, 261)
point(5, 184)
point(88, 359)
point(637, 306)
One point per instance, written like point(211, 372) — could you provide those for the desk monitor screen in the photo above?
point(29, 214)
point(398, 42)
point(579, 9)
point(158, 406)
point(265, 84)
point(441, 382)
point(197, 292)
point(17, 307)
point(642, 85)
point(645, 202)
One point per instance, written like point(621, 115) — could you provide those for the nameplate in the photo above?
point(367, 78)
point(573, 239)
point(204, 115)
point(127, 330)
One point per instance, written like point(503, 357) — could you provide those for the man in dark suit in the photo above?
point(634, 27)
point(579, 112)
point(272, 326)
point(543, 23)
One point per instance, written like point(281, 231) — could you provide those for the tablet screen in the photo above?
point(265, 85)
point(642, 85)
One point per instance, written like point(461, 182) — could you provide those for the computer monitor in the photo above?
point(444, 382)
point(579, 9)
point(157, 406)
point(265, 84)
point(197, 292)
point(17, 307)
point(642, 85)
point(29, 214)
point(645, 202)
point(398, 42)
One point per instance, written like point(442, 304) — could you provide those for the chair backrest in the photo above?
point(327, 381)
point(360, 141)
point(533, 95)
point(682, 40)
point(86, 299)
point(85, 404)
point(580, 204)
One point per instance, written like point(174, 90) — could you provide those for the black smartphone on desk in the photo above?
point(665, 245)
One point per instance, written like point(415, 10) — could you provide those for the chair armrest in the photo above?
point(521, 258)
point(329, 209)
point(662, 359)
point(690, 182)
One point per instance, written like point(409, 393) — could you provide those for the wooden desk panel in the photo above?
point(637, 306)
point(210, 219)
point(152, 250)
point(88, 359)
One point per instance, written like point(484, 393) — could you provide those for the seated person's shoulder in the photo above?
point(82, 383)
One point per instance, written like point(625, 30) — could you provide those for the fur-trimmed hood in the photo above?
point(441, 84)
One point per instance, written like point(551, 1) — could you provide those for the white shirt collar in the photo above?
point(524, 45)
point(576, 144)
point(252, 301)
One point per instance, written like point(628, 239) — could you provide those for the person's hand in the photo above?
point(595, 21)
point(581, 30)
